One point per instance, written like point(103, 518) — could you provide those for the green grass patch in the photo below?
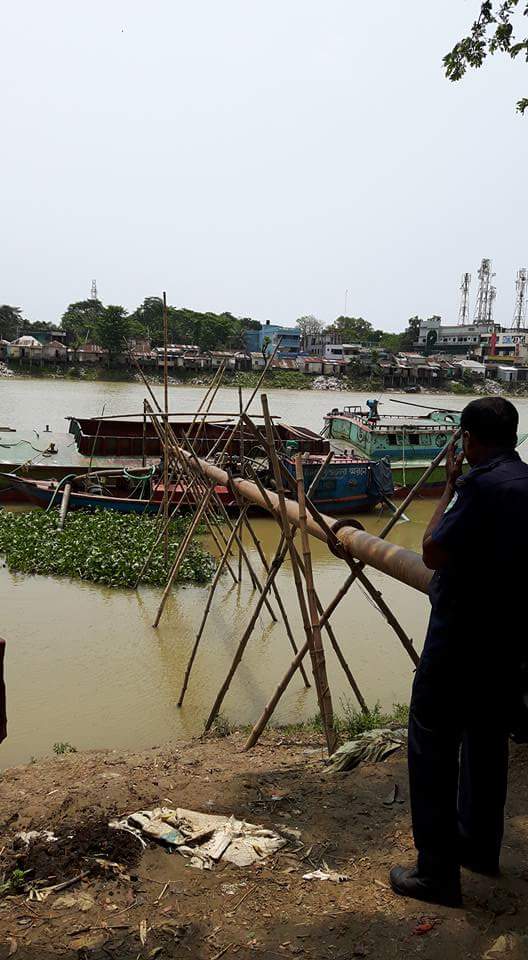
point(104, 547)
point(349, 723)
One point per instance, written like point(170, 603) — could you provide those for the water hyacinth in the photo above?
point(104, 546)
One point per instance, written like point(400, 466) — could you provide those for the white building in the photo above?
point(435, 337)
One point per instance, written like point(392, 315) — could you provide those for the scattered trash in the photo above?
point(372, 746)
point(326, 874)
point(143, 932)
point(394, 796)
point(124, 825)
point(422, 928)
point(510, 945)
point(203, 837)
point(229, 889)
point(28, 836)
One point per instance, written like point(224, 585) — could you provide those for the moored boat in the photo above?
point(348, 484)
point(410, 443)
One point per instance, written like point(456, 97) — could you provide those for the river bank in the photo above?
point(266, 910)
point(275, 379)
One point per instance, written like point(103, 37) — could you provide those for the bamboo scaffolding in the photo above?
point(355, 571)
point(309, 618)
point(254, 578)
point(276, 563)
point(214, 388)
point(196, 479)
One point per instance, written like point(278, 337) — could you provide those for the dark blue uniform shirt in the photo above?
point(476, 629)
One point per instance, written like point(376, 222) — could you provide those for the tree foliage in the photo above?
point(493, 31)
point(112, 329)
point(409, 338)
point(351, 329)
point(80, 319)
point(309, 328)
point(10, 321)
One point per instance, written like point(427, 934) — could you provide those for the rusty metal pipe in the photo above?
point(397, 562)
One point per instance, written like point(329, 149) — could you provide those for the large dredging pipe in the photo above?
point(397, 562)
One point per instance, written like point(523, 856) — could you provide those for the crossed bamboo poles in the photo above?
point(315, 618)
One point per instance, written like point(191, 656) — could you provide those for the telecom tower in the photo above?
point(93, 291)
point(463, 313)
point(486, 294)
point(521, 284)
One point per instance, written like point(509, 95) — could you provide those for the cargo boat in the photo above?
point(410, 443)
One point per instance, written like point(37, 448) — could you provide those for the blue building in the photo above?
point(290, 343)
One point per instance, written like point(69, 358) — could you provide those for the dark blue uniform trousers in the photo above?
point(458, 766)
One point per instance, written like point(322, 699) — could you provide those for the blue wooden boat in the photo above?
point(348, 484)
point(48, 493)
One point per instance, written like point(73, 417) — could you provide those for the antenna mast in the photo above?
point(485, 294)
point(521, 284)
point(93, 291)
point(463, 313)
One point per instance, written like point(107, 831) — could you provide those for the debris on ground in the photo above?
point(371, 747)
point(326, 874)
point(203, 837)
point(509, 945)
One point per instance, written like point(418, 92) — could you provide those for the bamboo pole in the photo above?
point(177, 451)
point(275, 566)
point(161, 439)
point(254, 577)
point(397, 562)
point(328, 627)
point(241, 411)
point(274, 569)
point(207, 608)
point(316, 646)
point(358, 570)
point(182, 549)
point(309, 618)
point(253, 394)
point(273, 587)
point(166, 432)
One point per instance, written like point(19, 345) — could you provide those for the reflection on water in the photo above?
point(84, 664)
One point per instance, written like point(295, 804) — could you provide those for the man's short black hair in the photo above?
point(493, 421)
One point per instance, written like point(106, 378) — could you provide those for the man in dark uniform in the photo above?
point(467, 684)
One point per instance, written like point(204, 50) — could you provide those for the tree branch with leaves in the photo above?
point(494, 31)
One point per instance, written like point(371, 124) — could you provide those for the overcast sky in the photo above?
point(258, 156)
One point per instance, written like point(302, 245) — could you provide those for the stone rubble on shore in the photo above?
point(328, 383)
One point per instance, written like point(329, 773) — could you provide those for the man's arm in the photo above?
point(434, 556)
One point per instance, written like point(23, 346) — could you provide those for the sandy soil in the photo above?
point(265, 911)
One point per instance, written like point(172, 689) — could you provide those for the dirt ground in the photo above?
point(265, 911)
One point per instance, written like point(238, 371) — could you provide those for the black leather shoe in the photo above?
point(408, 882)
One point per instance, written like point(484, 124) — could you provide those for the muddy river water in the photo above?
point(84, 664)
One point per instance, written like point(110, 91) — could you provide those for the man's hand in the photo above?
point(454, 463)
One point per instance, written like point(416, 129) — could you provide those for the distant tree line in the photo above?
point(112, 326)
